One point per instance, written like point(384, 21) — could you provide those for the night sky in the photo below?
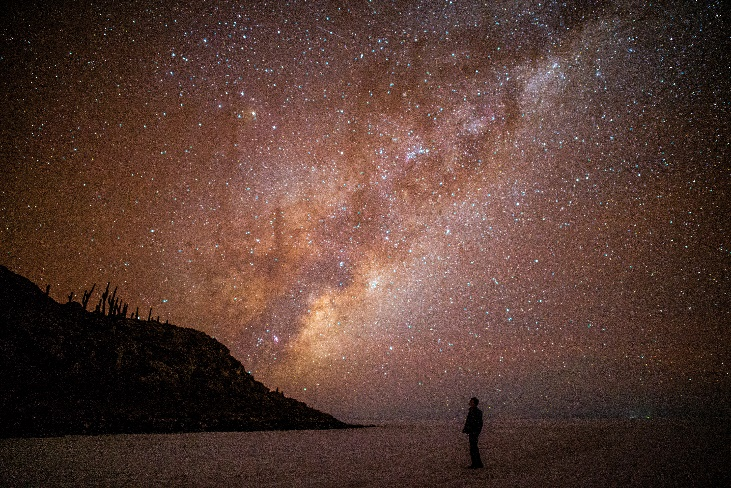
point(383, 208)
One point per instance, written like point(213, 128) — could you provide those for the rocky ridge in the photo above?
point(66, 370)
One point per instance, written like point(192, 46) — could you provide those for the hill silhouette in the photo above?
point(65, 370)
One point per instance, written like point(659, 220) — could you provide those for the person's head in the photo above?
point(474, 402)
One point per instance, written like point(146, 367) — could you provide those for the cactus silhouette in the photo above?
point(105, 295)
point(87, 295)
point(112, 302)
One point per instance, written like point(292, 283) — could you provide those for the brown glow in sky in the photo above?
point(383, 208)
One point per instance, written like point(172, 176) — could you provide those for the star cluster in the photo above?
point(383, 208)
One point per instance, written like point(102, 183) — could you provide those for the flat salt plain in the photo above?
point(516, 453)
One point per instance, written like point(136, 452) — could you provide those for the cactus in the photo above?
point(112, 301)
point(87, 295)
point(110, 304)
point(105, 295)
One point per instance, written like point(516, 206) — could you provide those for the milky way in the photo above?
point(384, 208)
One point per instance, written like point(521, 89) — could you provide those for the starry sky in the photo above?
point(384, 207)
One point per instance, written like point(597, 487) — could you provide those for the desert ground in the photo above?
point(516, 453)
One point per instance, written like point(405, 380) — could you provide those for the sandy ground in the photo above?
point(568, 453)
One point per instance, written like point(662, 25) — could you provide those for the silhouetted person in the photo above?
point(473, 427)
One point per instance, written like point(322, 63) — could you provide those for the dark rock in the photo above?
point(65, 371)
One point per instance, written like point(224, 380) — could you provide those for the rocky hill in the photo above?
point(66, 370)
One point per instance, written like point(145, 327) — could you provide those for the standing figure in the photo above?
point(473, 427)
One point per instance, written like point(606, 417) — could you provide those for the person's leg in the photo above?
point(475, 452)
